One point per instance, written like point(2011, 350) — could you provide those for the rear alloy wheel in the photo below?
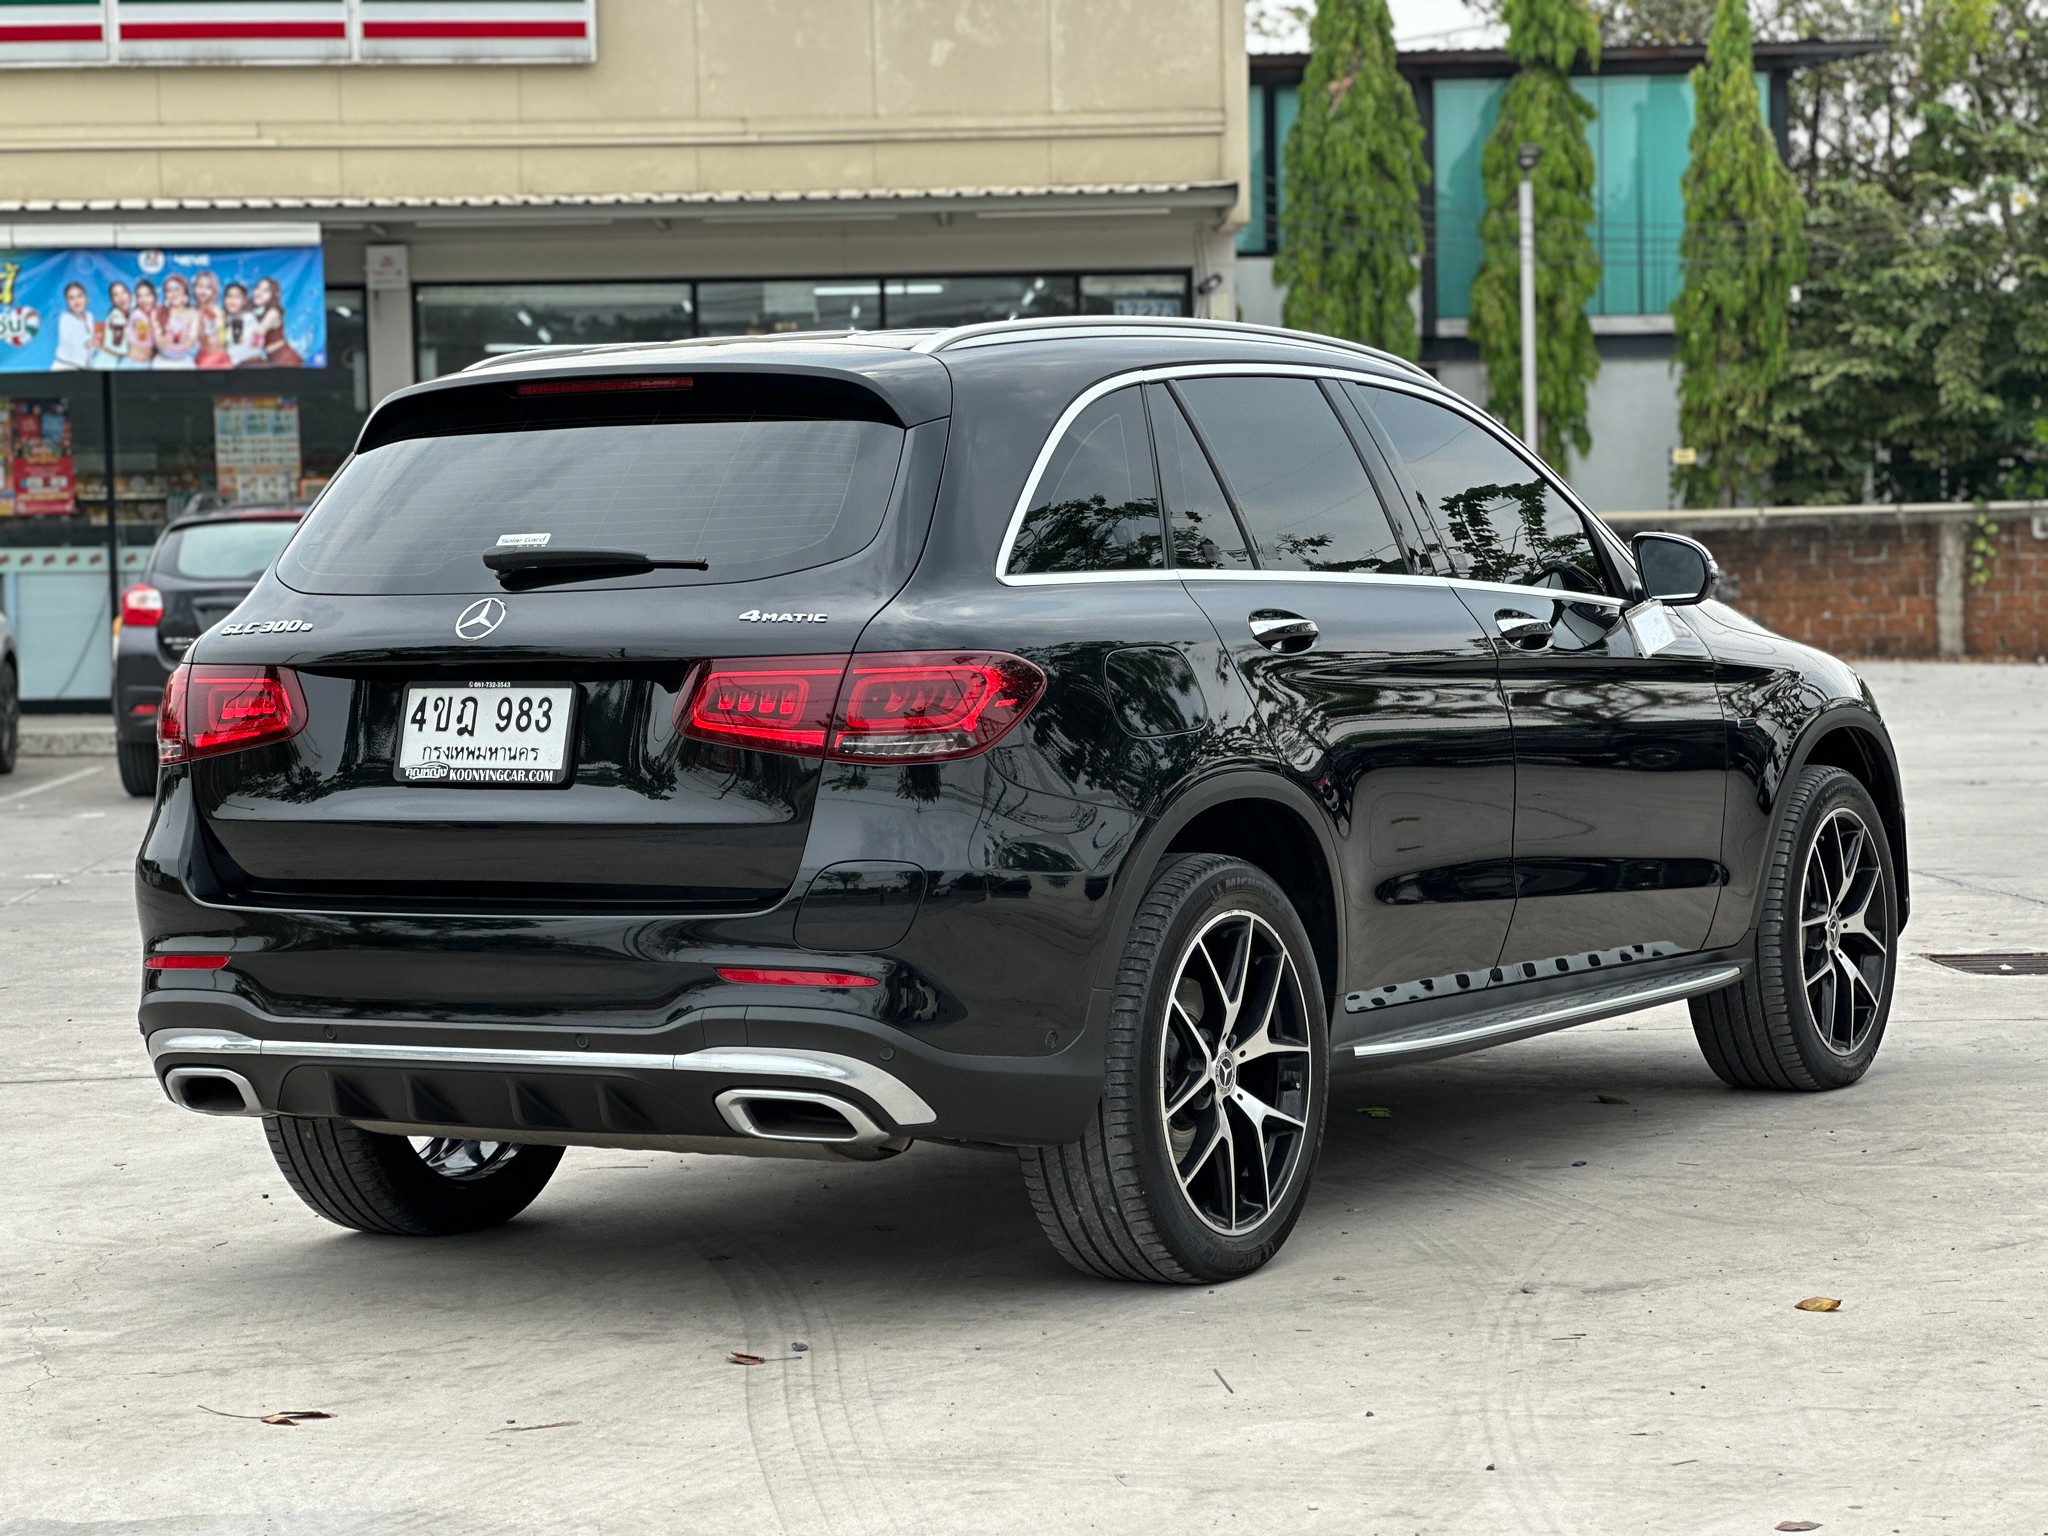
point(1197, 1163)
point(138, 766)
point(409, 1186)
point(1812, 1014)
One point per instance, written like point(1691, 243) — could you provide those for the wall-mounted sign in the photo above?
point(162, 311)
point(41, 468)
point(256, 448)
point(73, 32)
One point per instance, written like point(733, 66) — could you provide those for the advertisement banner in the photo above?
point(256, 449)
point(43, 484)
point(162, 311)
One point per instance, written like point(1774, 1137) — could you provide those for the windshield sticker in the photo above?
point(524, 540)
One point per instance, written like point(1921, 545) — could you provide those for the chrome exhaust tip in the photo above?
point(817, 1119)
point(212, 1091)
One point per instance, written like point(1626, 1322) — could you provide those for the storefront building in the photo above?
point(485, 175)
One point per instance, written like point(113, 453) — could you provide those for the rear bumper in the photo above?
point(687, 1084)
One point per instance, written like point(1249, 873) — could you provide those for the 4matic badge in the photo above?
point(765, 616)
point(267, 627)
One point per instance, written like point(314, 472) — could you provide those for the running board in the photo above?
point(1498, 1026)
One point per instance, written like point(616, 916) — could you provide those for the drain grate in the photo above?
point(2022, 963)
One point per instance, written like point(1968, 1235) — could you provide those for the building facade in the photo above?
point(1640, 141)
point(483, 175)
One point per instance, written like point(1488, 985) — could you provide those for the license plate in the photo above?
point(485, 733)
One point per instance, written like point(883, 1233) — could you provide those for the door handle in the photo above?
point(1278, 630)
point(1524, 631)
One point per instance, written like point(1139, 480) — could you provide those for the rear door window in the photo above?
point(240, 551)
point(1296, 478)
point(1495, 516)
point(751, 497)
point(1206, 535)
point(1097, 503)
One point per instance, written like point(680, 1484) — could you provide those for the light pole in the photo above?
point(1526, 157)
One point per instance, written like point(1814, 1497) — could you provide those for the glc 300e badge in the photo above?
point(479, 619)
point(267, 627)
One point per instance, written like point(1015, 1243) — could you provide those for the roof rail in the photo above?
point(962, 334)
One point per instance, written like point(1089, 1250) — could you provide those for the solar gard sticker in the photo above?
point(45, 32)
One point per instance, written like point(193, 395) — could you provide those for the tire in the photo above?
point(10, 716)
point(1812, 1013)
point(377, 1183)
point(138, 766)
point(1150, 1195)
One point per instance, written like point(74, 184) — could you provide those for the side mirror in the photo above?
point(1676, 570)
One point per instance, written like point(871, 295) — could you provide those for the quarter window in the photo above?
point(1294, 474)
point(1097, 507)
point(1493, 515)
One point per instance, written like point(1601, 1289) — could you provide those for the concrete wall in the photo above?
point(685, 96)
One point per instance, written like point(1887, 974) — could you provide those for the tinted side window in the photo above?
point(1299, 487)
point(1097, 504)
point(1498, 518)
point(1206, 536)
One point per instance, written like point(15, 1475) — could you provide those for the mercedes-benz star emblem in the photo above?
point(480, 618)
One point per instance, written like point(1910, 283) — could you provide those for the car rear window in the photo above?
point(226, 551)
point(751, 497)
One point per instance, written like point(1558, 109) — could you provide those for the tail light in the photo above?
point(890, 707)
point(142, 605)
point(209, 709)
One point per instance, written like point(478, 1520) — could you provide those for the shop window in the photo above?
point(457, 325)
point(771, 308)
point(1143, 293)
point(939, 301)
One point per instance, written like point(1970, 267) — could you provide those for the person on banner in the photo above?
point(75, 331)
point(277, 348)
point(213, 342)
point(241, 334)
point(177, 331)
point(142, 326)
point(112, 351)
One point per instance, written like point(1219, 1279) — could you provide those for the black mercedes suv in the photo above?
point(1081, 738)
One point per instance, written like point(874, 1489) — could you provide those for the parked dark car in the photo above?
point(200, 570)
point(1080, 738)
point(10, 697)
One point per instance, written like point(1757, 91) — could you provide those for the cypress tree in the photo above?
point(1352, 226)
point(1540, 107)
point(1743, 249)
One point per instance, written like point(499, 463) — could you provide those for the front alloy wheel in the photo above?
point(1197, 1161)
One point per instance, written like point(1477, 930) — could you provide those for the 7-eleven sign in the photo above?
point(297, 31)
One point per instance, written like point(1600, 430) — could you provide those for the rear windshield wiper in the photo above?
point(535, 567)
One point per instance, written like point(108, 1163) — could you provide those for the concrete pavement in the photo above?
point(1508, 1308)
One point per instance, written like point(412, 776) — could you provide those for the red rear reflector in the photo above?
point(142, 605)
point(599, 386)
point(142, 709)
point(750, 976)
point(185, 962)
point(890, 707)
point(210, 708)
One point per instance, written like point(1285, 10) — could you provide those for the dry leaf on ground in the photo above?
point(1818, 1304)
point(520, 1429)
point(1797, 1525)
point(287, 1417)
point(740, 1357)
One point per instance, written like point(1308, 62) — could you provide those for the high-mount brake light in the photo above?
point(600, 386)
point(185, 962)
point(210, 708)
point(142, 606)
point(782, 976)
point(888, 707)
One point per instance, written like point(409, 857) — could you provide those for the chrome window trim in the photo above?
point(1095, 392)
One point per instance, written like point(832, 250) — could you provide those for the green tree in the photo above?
point(1742, 254)
point(1352, 226)
point(1540, 107)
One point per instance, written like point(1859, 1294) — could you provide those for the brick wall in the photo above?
point(1861, 591)
point(1871, 581)
point(2008, 614)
